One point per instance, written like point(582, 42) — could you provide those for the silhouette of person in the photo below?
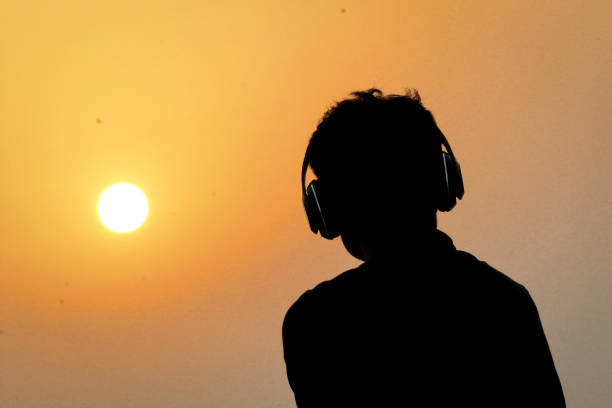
point(418, 322)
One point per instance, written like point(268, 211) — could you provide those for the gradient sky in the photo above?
point(207, 107)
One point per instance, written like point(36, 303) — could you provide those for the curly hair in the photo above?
point(387, 142)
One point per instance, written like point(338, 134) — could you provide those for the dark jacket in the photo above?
point(441, 327)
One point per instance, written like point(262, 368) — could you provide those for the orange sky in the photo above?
point(207, 107)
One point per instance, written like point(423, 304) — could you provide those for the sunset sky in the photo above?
point(207, 107)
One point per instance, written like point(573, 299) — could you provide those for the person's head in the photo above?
point(380, 157)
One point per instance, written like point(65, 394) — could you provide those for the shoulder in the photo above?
point(323, 295)
point(482, 276)
point(483, 270)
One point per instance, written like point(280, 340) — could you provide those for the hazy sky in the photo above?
point(207, 107)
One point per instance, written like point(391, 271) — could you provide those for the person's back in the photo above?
point(418, 323)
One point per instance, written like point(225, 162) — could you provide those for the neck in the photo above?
point(400, 245)
point(390, 242)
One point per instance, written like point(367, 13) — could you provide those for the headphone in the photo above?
point(322, 213)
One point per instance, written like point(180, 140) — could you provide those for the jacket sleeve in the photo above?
point(291, 348)
point(540, 380)
point(303, 351)
point(296, 349)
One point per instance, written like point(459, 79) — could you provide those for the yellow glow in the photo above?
point(123, 207)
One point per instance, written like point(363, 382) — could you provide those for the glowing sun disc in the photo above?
point(123, 207)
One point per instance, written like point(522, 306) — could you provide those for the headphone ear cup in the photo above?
point(320, 210)
point(455, 181)
point(312, 213)
point(458, 180)
point(447, 189)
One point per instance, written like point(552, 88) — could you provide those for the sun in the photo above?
point(123, 207)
